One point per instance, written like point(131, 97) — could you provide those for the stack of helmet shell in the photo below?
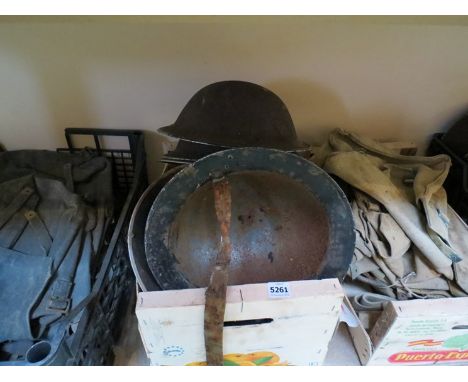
point(231, 114)
point(289, 219)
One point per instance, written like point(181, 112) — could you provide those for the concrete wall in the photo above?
point(386, 77)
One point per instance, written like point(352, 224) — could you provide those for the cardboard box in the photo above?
point(294, 328)
point(417, 332)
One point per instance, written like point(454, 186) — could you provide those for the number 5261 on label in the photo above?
point(279, 290)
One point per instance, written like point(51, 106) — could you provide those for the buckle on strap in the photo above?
point(59, 300)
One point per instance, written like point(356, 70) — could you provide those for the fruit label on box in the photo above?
point(424, 332)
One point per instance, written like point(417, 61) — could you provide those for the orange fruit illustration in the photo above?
point(264, 358)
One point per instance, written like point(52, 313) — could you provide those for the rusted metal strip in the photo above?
point(215, 303)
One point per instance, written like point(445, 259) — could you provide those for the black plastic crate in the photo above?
point(456, 183)
point(92, 338)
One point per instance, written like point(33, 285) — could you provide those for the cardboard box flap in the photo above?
point(361, 339)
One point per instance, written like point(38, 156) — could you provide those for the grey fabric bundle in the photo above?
point(54, 208)
point(409, 242)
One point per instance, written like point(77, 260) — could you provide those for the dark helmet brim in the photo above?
point(234, 114)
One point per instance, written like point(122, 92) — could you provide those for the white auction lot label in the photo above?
point(279, 290)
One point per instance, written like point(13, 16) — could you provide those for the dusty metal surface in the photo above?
point(215, 304)
point(136, 232)
point(236, 114)
point(279, 230)
point(290, 221)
